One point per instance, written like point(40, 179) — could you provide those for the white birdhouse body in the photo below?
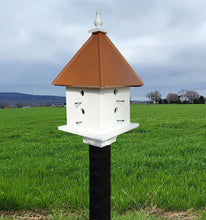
point(97, 109)
point(98, 114)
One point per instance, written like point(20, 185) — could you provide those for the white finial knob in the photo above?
point(98, 21)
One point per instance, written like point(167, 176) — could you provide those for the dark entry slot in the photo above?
point(77, 104)
point(78, 122)
point(119, 100)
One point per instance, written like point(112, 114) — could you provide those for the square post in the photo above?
point(100, 183)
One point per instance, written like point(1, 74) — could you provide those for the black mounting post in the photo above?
point(100, 183)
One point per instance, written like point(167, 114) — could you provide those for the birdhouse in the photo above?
point(98, 81)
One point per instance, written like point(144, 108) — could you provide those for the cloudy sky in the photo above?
point(163, 40)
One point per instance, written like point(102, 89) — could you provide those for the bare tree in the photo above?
point(192, 95)
point(154, 96)
point(19, 105)
point(149, 96)
point(2, 104)
point(157, 96)
point(172, 98)
point(182, 93)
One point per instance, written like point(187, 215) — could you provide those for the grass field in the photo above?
point(161, 164)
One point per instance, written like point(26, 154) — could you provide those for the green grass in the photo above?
point(162, 163)
point(81, 216)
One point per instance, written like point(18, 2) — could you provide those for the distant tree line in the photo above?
point(21, 105)
point(182, 97)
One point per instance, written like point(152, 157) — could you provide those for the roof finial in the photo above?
point(98, 23)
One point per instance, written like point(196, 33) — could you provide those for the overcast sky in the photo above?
point(163, 40)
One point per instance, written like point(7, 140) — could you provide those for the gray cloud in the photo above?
point(164, 41)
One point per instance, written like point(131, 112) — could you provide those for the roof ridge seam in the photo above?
point(101, 80)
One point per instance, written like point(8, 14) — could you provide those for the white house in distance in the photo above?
point(97, 81)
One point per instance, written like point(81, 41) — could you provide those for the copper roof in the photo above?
point(99, 64)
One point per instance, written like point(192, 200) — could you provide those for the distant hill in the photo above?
point(26, 99)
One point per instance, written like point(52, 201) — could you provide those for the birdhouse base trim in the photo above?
point(99, 139)
point(98, 143)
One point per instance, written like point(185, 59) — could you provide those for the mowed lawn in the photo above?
point(161, 164)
